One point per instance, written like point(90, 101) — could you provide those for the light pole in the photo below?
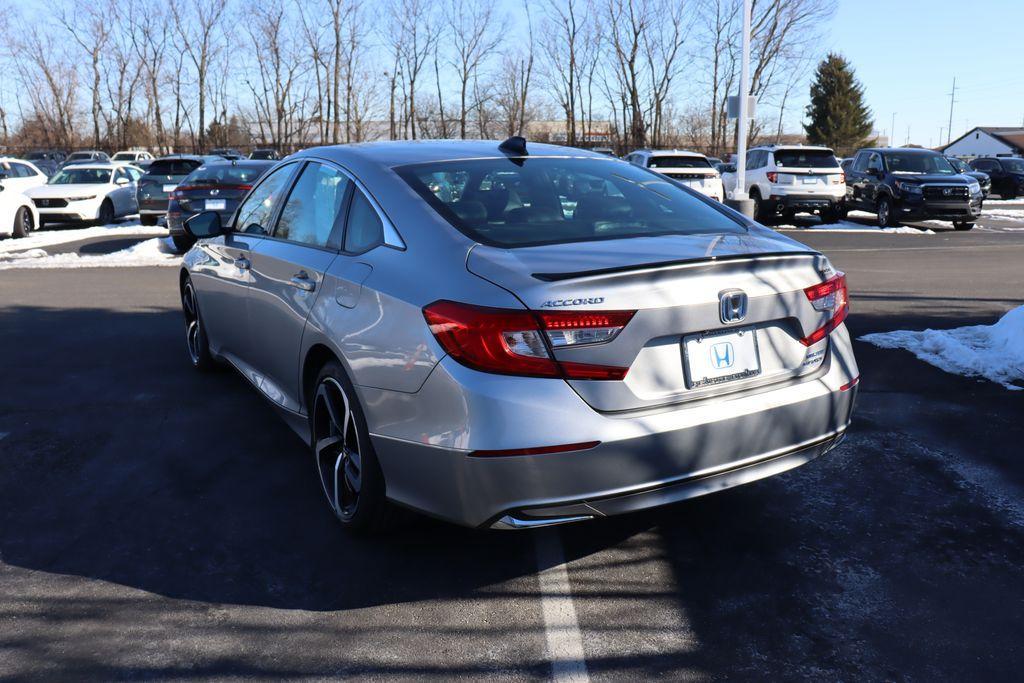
point(740, 200)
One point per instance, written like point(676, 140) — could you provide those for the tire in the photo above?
point(884, 212)
point(182, 242)
point(760, 212)
point(148, 219)
point(829, 216)
point(22, 222)
point(196, 344)
point(349, 474)
point(962, 226)
point(106, 215)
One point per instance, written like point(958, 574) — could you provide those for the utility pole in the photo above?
point(740, 200)
point(952, 99)
point(892, 130)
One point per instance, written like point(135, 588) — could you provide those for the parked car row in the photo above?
point(897, 184)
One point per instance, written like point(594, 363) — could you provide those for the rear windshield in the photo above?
point(125, 156)
point(87, 176)
point(918, 163)
point(227, 174)
point(173, 166)
point(527, 202)
point(805, 158)
point(679, 162)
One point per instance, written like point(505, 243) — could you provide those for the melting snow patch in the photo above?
point(850, 226)
point(49, 238)
point(1004, 214)
point(995, 352)
point(152, 252)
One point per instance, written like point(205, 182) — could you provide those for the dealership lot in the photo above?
point(159, 523)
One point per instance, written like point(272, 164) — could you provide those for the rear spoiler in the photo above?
point(556, 277)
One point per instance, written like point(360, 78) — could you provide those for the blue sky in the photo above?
point(906, 54)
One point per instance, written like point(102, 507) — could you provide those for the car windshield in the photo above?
point(918, 163)
point(679, 162)
point(526, 202)
point(173, 166)
point(805, 158)
point(125, 156)
point(1013, 165)
point(227, 174)
point(37, 155)
point(83, 176)
point(958, 166)
point(77, 156)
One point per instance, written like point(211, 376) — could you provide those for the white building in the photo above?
point(987, 142)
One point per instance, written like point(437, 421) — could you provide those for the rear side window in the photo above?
point(254, 214)
point(364, 229)
point(313, 206)
point(805, 158)
point(525, 202)
point(173, 166)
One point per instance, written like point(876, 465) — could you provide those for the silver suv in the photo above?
point(511, 337)
point(689, 168)
point(784, 180)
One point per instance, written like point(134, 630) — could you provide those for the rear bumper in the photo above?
point(645, 458)
point(805, 202)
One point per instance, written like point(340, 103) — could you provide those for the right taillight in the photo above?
point(518, 342)
point(831, 296)
point(772, 176)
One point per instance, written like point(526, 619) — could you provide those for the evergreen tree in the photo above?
point(838, 116)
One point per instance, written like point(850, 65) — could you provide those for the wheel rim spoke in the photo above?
point(336, 448)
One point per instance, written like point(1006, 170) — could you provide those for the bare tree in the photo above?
point(563, 28)
point(90, 29)
point(474, 31)
point(200, 33)
point(278, 68)
point(412, 31)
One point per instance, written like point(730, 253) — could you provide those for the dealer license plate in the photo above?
point(723, 357)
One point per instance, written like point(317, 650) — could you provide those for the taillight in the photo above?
point(838, 179)
point(516, 342)
point(772, 176)
point(831, 296)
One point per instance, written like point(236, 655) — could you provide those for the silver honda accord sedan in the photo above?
point(514, 335)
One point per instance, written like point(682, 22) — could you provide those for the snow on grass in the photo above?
point(49, 238)
point(995, 352)
point(151, 252)
point(1004, 214)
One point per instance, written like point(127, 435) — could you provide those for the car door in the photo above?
point(288, 273)
point(118, 196)
point(872, 181)
point(222, 269)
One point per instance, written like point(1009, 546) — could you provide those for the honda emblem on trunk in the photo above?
point(733, 305)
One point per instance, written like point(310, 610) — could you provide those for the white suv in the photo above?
point(784, 180)
point(689, 168)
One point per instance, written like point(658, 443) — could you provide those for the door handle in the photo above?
point(301, 280)
point(243, 263)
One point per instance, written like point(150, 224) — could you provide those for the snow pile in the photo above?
point(850, 226)
point(995, 352)
point(1004, 214)
point(152, 252)
point(49, 238)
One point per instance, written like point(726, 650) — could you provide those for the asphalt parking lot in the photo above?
point(157, 523)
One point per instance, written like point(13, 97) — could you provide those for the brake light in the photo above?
point(517, 342)
point(838, 179)
point(831, 296)
point(772, 176)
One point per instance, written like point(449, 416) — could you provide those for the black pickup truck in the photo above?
point(903, 184)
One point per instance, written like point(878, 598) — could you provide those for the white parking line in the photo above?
point(562, 631)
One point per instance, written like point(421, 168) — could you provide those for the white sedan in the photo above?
point(20, 175)
point(87, 192)
point(18, 217)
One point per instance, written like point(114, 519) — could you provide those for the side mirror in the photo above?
point(4, 175)
point(122, 181)
point(205, 224)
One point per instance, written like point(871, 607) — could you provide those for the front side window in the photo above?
point(1013, 165)
point(253, 216)
point(526, 202)
point(874, 162)
point(81, 176)
point(312, 208)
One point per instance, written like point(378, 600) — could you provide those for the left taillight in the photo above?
point(519, 342)
point(831, 296)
